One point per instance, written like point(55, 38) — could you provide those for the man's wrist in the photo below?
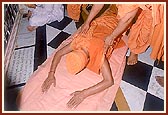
point(85, 93)
point(51, 72)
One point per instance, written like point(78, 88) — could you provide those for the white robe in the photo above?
point(46, 13)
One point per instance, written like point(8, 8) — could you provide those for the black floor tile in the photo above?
point(40, 53)
point(10, 99)
point(138, 75)
point(29, 46)
point(80, 22)
point(114, 107)
point(62, 24)
point(16, 86)
point(153, 103)
point(58, 39)
point(159, 64)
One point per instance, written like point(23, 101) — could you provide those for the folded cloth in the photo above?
point(76, 61)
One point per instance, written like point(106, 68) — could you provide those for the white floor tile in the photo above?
point(25, 40)
point(135, 97)
point(154, 88)
point(145, 57)
point(51, 33)
point(50, 50)
point(21, 66)
point(71, 28)
point(23, 26)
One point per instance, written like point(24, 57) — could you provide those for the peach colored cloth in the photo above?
point(31, 97)
point(157, 40)
point(93, 40)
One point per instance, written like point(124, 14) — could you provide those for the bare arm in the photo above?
point(122, 26)
point(58, 55)
point(107, 81)
point(94, 11)
point(104, 84)
point(56, 59)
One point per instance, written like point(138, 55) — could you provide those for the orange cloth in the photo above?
point(140, 33)
point(93, 40)
point(125, 8)
point(76, 61)
point(116, 44)
point(74, 10)
point(157, 40)
point(149, 22)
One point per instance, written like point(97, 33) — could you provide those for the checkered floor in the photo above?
point(138, 85)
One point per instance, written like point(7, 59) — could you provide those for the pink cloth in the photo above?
point(32, 98)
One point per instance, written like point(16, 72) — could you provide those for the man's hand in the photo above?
point(47, 83)
point(78, 97)
point(107, 43)
point(84, 28)
point(81, 30)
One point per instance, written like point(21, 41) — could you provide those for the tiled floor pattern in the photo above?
point(139, 87)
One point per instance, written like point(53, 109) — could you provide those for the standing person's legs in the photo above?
point(36, 21)
point(132, 59)
point(139, 36)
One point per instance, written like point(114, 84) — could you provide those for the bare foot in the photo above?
point(160, 80)
point(31, 28)
point(132, 59)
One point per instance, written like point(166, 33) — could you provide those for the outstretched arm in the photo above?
point(56, 59)
point(107, 81)
point(122, 26)
point(94, 11)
